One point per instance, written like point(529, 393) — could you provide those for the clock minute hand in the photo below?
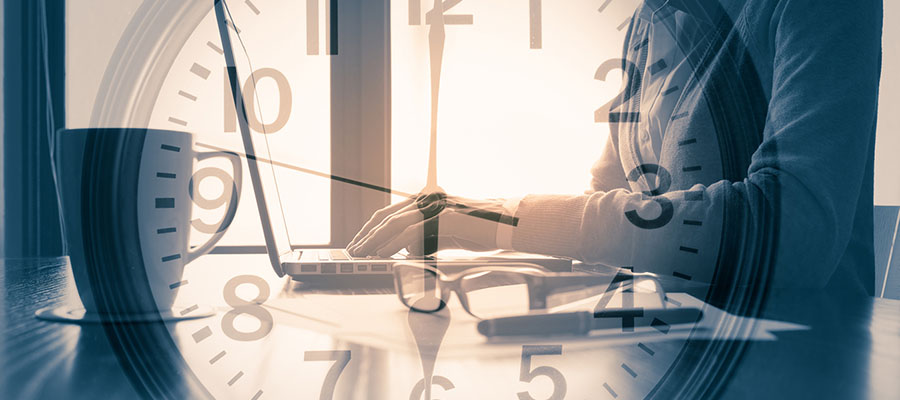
point(436, 38)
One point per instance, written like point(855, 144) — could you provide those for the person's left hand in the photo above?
point(461, 224)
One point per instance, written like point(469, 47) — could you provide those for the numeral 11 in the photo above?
point(312, 27)
point(535, 23)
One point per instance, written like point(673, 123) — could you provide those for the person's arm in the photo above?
point(607, 173)
point(808, 170)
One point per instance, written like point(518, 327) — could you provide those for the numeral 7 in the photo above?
point(341, 358)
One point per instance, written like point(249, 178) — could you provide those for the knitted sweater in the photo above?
point(780, 115)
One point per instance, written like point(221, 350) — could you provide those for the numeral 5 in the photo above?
point(527, 374)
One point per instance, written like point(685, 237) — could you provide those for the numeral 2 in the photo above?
point(341, 358)
point(632, 87)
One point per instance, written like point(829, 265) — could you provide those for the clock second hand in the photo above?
point(431, 193)
point(436, 37)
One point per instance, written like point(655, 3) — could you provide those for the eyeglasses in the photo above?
point(503, 290)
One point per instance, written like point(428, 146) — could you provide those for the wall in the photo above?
point(2, 188)
point(92, 34)
point(887, 147)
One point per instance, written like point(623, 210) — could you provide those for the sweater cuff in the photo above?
point(549, 225)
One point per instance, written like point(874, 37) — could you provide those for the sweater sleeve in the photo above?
point(806, 174)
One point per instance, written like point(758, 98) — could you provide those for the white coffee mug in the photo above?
point(126, 196)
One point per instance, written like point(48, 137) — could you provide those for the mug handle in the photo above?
point(193, 254)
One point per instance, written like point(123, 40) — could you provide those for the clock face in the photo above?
point(510, 71)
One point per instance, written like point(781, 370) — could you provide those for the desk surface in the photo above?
point(852, 350)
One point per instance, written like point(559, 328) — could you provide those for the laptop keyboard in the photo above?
point(325, 255)
point(333, 261)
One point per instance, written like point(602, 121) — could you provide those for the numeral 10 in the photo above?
point(285, 102)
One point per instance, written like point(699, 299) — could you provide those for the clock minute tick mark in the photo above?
point(681, 275)
point(257, 395)
point(170, 148)
point(693, 222)
point(165, 175)
point(235, 378)
point(215, 48)
point(172, 257)
point(217, 357)
point(187, 95)
point(624, 24)
point(610, 390)
point(629, 370)
point(687, 142)
point(201, 334)
point(232, 26)
point(200, 71)
point(165, 202)
point(688, 249)
point(165, 230)
point(695, 195)
point(252, 7)
point(603, 6)
point(641, 44)
point(658, 66)
point(671, 90)
point(646, 349)
point(679, 116)
point(189, 310)
point(178, 121)
point(177, 285)
point(660, 325)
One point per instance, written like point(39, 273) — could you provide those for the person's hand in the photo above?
point(452, 222)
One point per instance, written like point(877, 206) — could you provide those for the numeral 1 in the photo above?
point(312, 27)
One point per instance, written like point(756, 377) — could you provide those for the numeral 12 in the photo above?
point(415, 14)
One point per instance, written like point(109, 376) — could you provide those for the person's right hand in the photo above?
point(405, 224)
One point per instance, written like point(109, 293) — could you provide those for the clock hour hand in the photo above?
point(471, 210)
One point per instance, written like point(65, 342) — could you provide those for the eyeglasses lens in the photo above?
point(419, 288)
point(493, 294)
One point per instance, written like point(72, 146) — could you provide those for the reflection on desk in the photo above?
point(851, 349)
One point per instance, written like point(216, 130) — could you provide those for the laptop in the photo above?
point(309, 264)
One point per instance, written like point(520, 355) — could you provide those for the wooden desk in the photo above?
point(851, 351)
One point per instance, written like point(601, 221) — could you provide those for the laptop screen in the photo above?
point(256, 146)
